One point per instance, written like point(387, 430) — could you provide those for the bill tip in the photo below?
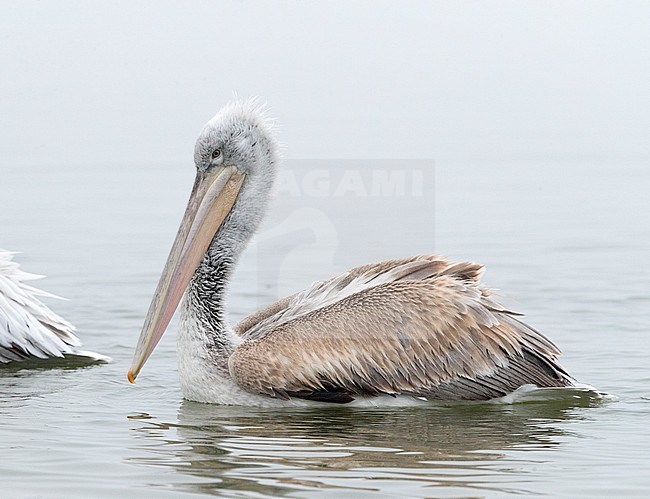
point(130, 377)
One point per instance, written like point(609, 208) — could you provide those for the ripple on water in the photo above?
point(465, 447)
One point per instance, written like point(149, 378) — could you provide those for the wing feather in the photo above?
point(28, 328)
point(421, 326)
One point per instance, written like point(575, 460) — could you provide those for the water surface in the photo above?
point(567, 243)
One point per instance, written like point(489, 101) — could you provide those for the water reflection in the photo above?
point(461, 448)
point(21, 382)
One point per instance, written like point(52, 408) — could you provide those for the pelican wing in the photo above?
point(422, 327)
point(28, 328)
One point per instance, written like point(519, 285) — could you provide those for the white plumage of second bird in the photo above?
point(29, 329)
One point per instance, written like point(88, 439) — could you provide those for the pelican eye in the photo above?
point(216, 154)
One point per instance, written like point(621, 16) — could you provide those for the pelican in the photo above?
point(415, 329)
point(29, 330)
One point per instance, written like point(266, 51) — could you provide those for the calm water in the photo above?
point(566, 242)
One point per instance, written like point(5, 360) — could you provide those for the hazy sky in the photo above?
point(133, 81)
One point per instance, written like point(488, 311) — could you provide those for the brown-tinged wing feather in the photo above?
point(353, 280)
point(422, 327)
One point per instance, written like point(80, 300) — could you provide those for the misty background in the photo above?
point(99, 83)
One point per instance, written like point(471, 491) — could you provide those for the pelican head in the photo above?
point(235, 157)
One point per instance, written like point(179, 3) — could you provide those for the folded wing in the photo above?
point(422, 327)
